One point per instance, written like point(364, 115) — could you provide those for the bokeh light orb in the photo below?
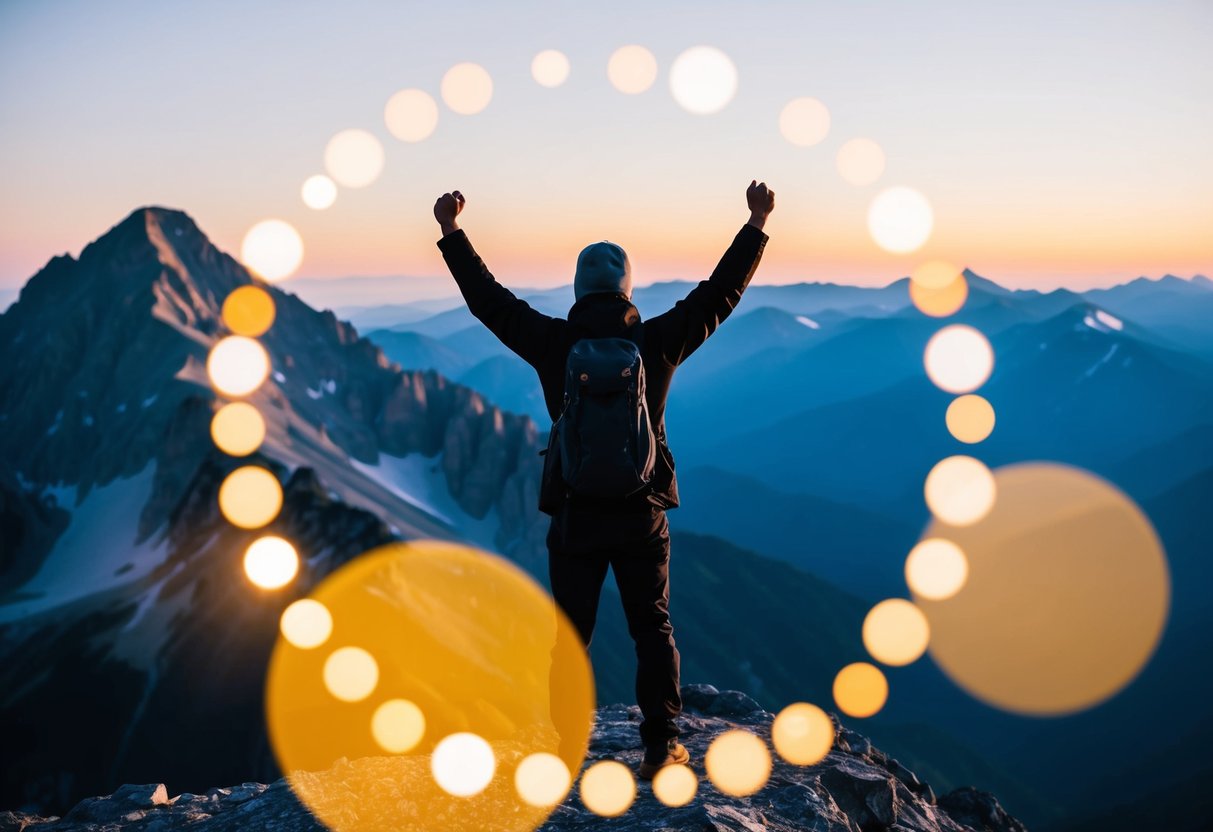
point(675, 785)
point(935, 274)
point(960, 490)
point(397, 726)
point(272, 249)
point(936, 568)
point(802, 734)
point(306, 624)
point(318, 192)
point(939, 303)
point(250, 497)
point(804, 121)
point(860, 162)
point(354, 158)
point(1067, 595)
point(632, 69)
point(463, 764)
point(476, 646)
point(958, 358)
point(238, 429)
point(703, 80)
point(351, 674)
point(970, 418)
point(860, 690)
point(542, 779)
point(467, 88)
point(271, 562)
point(411, 115)
point(550, 68)
point(896, 632)
point(237, 365)
point(900, 219)
point(248, 310)
point(738, 763)
point(608, 788)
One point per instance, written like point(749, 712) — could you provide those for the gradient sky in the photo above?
point(1059, 143)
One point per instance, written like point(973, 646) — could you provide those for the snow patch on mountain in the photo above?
point(420, 481)
point(97, 551)
point(809, 322)
point(1103, 321)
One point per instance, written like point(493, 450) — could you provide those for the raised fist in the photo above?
point(448, 207)
point(760, 198)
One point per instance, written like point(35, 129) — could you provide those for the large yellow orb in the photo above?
point(1066, 597)
point(434, 682)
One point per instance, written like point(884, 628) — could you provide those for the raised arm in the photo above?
point(693, 319)
point(523, 329)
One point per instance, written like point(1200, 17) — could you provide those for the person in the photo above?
point(631, 536)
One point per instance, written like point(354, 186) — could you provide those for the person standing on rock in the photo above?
point(608, 501)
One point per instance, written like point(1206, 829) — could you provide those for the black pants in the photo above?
point(582, 543)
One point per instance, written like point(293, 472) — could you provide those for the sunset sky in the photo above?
point(1057, 143)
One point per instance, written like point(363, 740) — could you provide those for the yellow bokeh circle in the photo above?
point(238, 429)
point(463, 764)
point(351, 674)
point(398, 725)
point(1067, 593)
point(939, 303)
point(272, 249)
point(250, 497)
point(608, 788)
point(936, 568)
point(248, 310)
point(542, 779)
point(738, 763)
point(970, 418)
point(675, 785)
point(271, 562)
point(237, 365)
point(306, 624)
point(802, 734)
point(960, 490)
point(860, 689)
point(896, 632)
point(468, 641)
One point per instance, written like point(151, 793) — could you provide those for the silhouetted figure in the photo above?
point(630, 534)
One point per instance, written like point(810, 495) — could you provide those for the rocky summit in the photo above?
point(857, 788)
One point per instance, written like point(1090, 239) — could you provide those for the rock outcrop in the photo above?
point(857, 788)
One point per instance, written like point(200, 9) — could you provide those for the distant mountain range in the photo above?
point(801, 432)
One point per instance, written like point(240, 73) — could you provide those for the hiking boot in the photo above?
point(667, 753)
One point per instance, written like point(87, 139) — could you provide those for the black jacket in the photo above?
point(666, 340)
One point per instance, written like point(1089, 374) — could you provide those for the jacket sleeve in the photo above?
point(693, 319)
point(519, 326)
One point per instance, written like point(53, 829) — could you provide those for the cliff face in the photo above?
point(857, 788)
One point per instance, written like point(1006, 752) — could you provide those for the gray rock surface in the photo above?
point(857, 788)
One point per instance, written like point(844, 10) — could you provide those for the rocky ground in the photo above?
point(857, 788)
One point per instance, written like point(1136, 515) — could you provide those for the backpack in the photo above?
point(602, 445)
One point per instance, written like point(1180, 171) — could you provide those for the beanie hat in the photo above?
point(602, 267)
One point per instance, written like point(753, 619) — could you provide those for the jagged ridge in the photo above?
point(855, 789)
